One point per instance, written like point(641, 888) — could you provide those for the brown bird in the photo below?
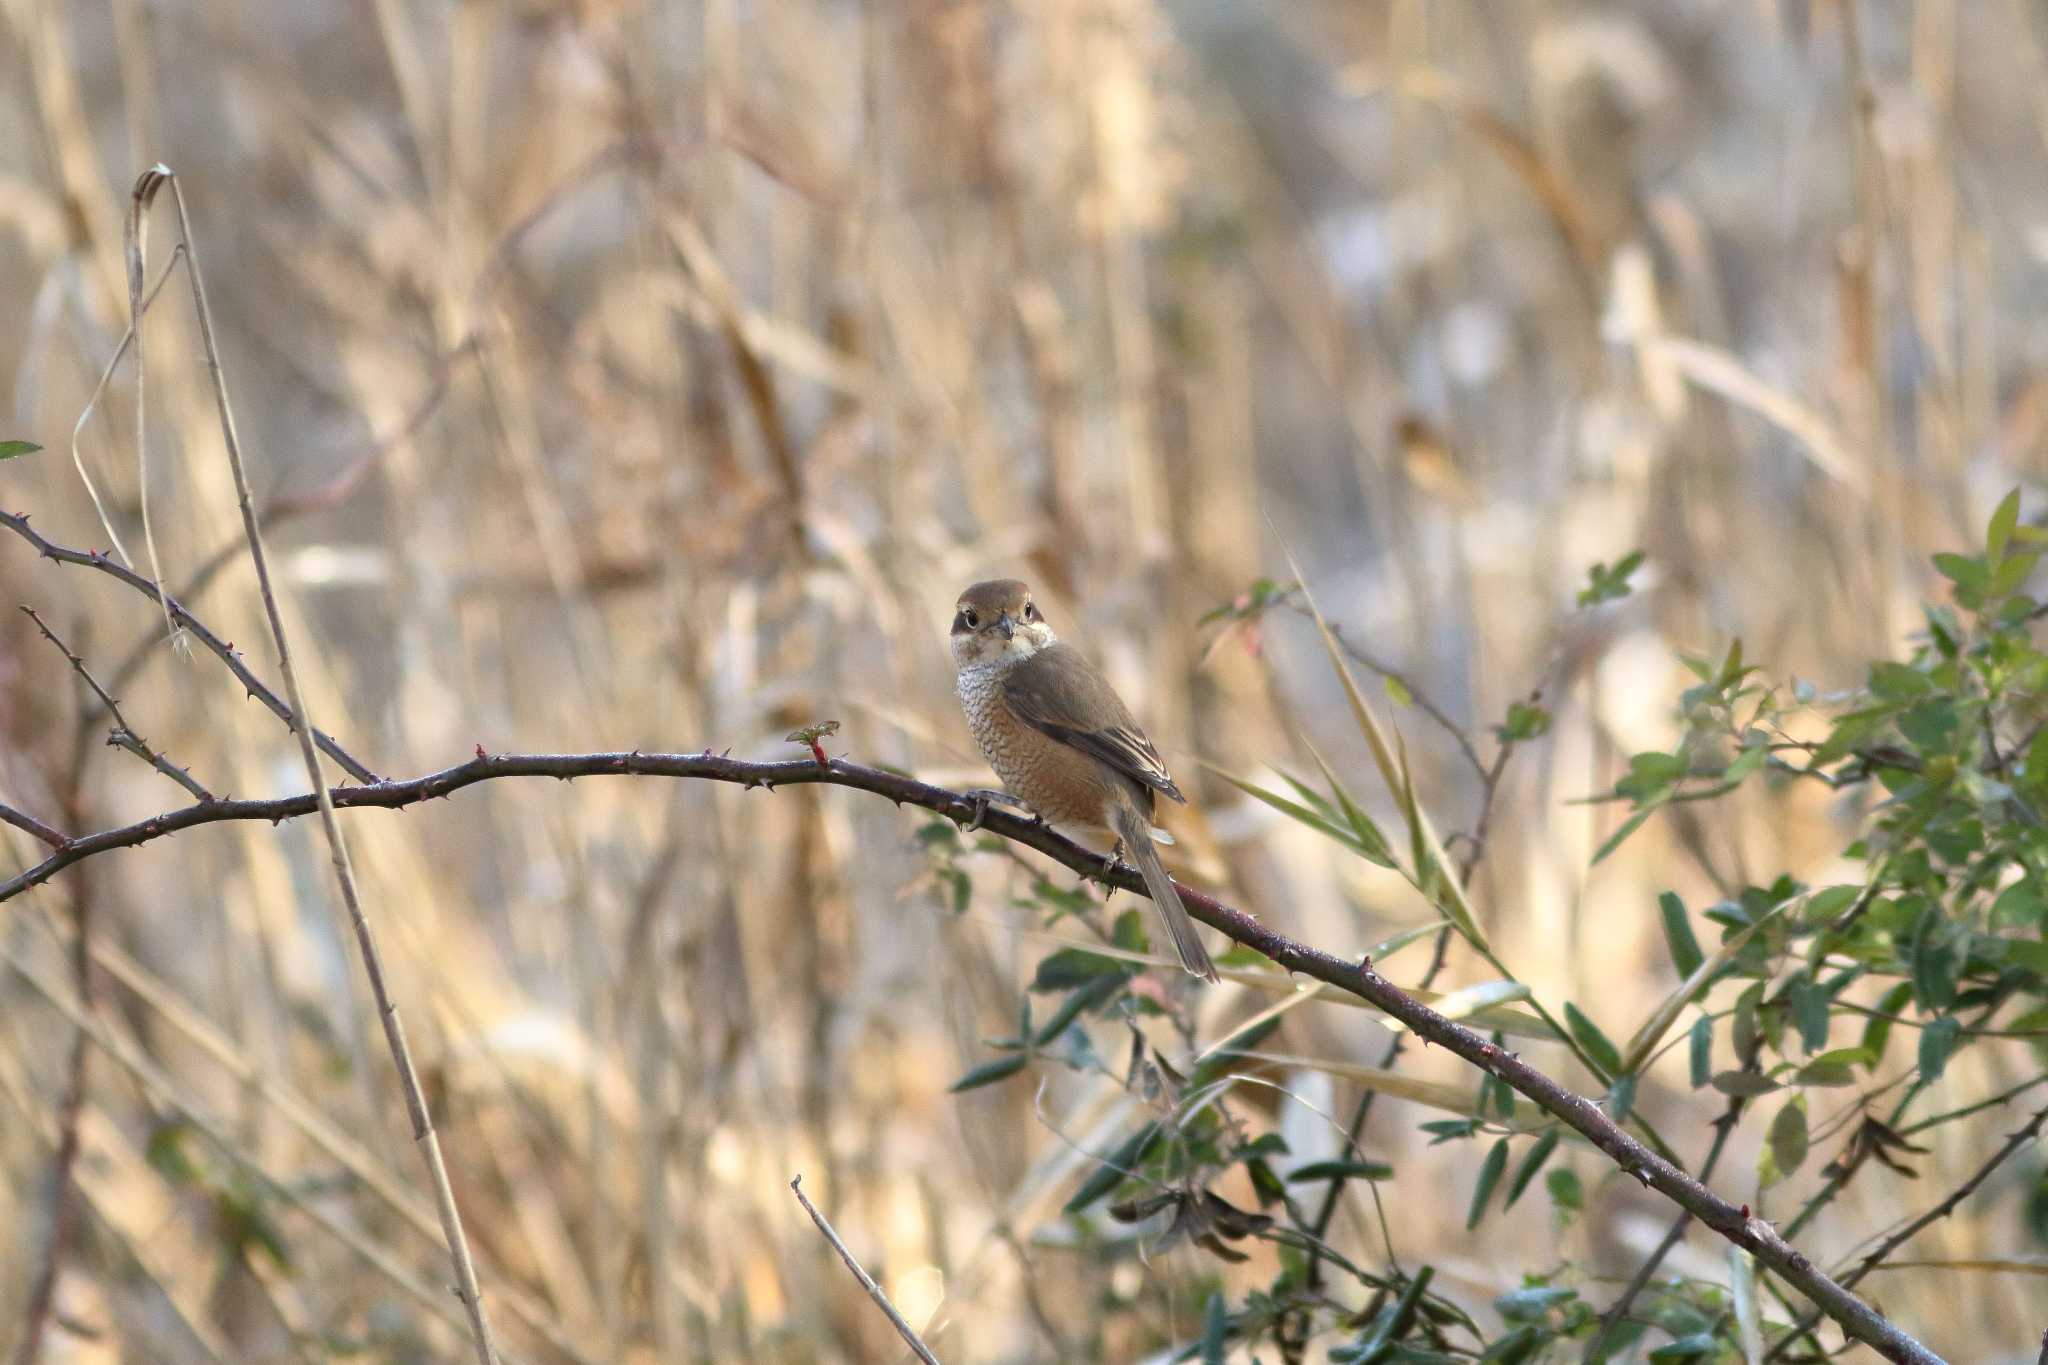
point(1063, 741)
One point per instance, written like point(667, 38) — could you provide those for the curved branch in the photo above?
point(1731, 1221)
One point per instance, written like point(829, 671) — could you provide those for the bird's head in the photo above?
point(997, 623)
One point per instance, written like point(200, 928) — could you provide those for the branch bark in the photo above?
point(1729, 1220)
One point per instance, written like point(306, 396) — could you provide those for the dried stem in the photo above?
point(301, 721)
point(903, 1329)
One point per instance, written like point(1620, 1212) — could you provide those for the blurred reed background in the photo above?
point(655, 374)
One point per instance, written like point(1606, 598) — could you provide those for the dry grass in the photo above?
point(654, 376)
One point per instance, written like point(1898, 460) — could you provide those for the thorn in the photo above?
point(480, 752)
point(1745, 1213)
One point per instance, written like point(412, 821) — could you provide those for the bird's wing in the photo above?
point(1058, 693)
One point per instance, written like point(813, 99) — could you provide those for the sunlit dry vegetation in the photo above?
point(652, 376)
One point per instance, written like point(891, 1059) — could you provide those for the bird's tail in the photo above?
point(1136, 833)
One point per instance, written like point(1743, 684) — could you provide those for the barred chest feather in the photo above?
point(1059, 783)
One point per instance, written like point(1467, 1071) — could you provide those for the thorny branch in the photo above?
point(124, 735)
point(1731, 1221)
point(1583, 1115)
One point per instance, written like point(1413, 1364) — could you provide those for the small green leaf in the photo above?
point(1071, 967)
point(1702, 1050)
point(1935, 963)
point(1525, 721)
point(1678, 935)
point(2019, 905)
point(1696, 1346)
point(1744, 1084)
point(1398, 693)
point(1340, 1170)
point(1788, 1139)
point(988, 1073)
point(10, 450)
point(1565, 1190)
point(1877, 1034)
point(1597, 1045)
point(1533, 1302)
point(2003, 520)
point(1628, 827)
point(1621, 1098)
point(1809, 1001)
point(1110, 1174)
point(1489, 1176)
point(1937, 1044)
point(1213, 1323)
point(1531, 1164)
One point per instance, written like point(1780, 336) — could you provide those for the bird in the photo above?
point(1063, 742)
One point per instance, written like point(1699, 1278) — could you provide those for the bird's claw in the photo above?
point(981, 797)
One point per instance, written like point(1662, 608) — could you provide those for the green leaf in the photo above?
point(1935, 961)
point(1616, 839)
point(1825, 1073)
point(1301, 814)
point(1621, 1098)
point(1525, 721)
point(1744, 1084)
point(1809, 1001)
point(1397, 691)
point(1693, 1347)
point(1071, 967)
point(1937, 1044)
point(2019, 905)
point(1565, 1190)
point(1110, 1174)
point(166, 1152)
point(1213, 1323)
point(1678, 936)
point(10, 450)
point(1489, 1176)
point(1531, 1164)
point(1788, 1141)
point(1087, 997)
point(1597, 1045)
point(988, 1073)
point(1896, 681)
point(1702, 1050)
point(1965, 571)
point(2003, 520)
point(1877, 1034)
point(1340, 1170)
point(2012, 573)
point(1742, 1289)
point(1370, 840)
point(1532, 1302)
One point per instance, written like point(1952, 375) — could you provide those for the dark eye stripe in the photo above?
point(961, 622)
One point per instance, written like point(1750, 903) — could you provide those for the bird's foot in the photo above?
point(1111, 866)
point(982, 796)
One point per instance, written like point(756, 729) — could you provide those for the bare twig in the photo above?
point(224, 650)
point(22, 820)
point(903, 1329)
point(124, 735)
point(394, 1032)
point(1583, 1115)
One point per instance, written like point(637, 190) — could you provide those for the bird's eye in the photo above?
point(1030, 612)
point(973, 620)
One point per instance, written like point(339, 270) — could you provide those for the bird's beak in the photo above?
point(1006, 625)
